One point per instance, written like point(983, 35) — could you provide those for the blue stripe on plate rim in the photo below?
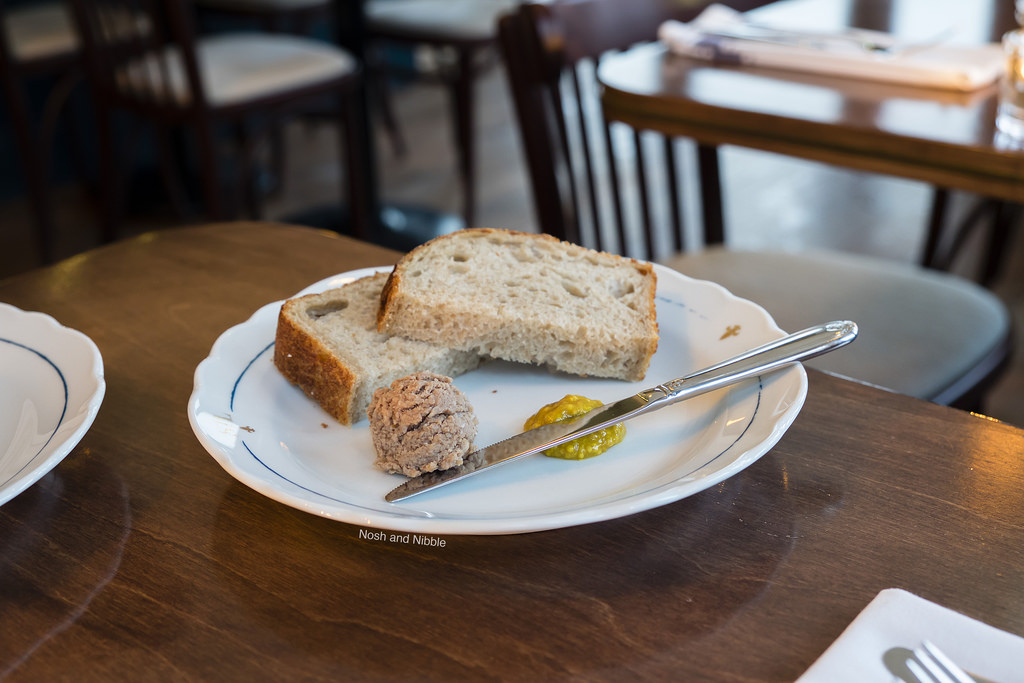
point(63, 411)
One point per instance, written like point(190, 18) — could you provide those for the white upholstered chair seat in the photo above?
point(456, 19)
point(40, 31)
point(920, 330)
point(237, 68)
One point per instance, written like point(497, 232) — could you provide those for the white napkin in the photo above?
point(951, 67)
point(895, 622)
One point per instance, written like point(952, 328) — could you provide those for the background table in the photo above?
point(940, 137)
point(139, 558)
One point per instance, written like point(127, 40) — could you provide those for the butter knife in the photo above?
point(772, 356)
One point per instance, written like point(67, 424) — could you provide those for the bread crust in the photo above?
point(306, 362)
point(387, 295)
point(328, 345)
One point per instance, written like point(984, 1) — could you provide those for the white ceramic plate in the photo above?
point(51, 387)
point(271, 437)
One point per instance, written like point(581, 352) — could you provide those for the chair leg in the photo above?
point(35, 167)
point(464, 120)
point(209, 171)
point(170, 172)
point(39, 196)
point(936, 222)
point(82, 109)
point(248, 172)
point(998, 215)
point(380, 91)
point(277, 165)
point(1006, 216)
point(711, 194)
point(356, 184)
point(36, 177)
point(59, 103)
point(110, 175)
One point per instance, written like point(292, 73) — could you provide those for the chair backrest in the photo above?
point(36, 40)
point(141, 52)
point(604, 185)
point(38, 36)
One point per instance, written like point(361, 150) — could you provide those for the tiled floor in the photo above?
point(770, 201)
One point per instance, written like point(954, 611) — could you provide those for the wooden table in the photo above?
point(139, 558)
point(940, 137)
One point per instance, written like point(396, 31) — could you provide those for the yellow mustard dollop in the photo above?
point(588, 446)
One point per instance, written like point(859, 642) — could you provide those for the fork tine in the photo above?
point(920, 674)
point(941, 667)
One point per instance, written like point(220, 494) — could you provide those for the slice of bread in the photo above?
point(328, 345)
point(528, 298)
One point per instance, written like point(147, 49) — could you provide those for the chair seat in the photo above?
point(238, 68)
point(920, 330)
point(452, 19)
point(40, 31)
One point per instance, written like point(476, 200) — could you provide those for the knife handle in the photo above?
point(814, 341)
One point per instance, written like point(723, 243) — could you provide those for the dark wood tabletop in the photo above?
point(140, 558)
point(941, 137)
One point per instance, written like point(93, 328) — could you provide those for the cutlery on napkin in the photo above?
point(722, 34)
point(877, 645)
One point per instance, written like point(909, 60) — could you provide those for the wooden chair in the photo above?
point(37, 41)
point(464, 33)
point(946, 239)
point(155, 67)
point(276, 16)
point(923, 333)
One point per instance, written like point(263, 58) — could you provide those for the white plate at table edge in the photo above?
point(247, 349)
point(66, 357)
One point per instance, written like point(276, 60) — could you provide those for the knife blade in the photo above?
point(769, 357)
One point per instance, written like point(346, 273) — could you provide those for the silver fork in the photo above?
point(931, 665)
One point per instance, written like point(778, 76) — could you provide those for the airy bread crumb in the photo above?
point(528, 298)
point(328, 345)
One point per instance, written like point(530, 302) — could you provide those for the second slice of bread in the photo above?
point(328, 345)
point(527, 298)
